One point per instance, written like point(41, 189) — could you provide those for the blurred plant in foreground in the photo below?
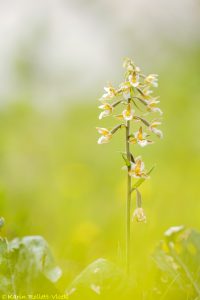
point(135, 89)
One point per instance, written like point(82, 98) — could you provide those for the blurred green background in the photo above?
point(55, 180)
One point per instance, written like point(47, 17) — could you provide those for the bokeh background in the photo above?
point(55, 181)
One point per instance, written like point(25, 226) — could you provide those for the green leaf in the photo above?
point(127, 162)
point(6, 283)
point(27, 266)
point(100, 279)
point(178, 256)
point(141, 180)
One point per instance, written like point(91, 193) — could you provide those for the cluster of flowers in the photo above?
point(136, 88)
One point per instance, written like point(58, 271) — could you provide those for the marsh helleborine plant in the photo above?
point(136, 96)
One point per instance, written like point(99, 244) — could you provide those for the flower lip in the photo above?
point(140, 138)
point(128, 113)
point(134, 79)
point(137, 168)
point(104, 139)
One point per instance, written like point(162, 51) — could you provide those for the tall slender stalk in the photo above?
point(128, 198)
point(128, 206)
point(135, 87)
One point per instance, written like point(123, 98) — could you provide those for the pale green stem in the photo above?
point(128, 199)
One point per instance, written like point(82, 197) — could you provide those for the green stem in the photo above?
point(128, 199)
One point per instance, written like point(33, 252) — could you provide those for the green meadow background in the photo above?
point(55, 180)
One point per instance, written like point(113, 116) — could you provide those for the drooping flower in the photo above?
point(139, 215)
point(152, 79)
point(153, 128)
point(137, 168)
point(108, 109)
point(128, 113)
point(140, 138)
point(110, 93)
point(105, 137)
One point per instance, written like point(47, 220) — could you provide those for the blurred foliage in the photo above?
point(178, 257)
point(27, 267)
point(57, 182)
point(100, 279)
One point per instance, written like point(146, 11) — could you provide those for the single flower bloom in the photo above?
point(153, 128)
point(146, 93)
point(137, 168)
point(108, 109)
point(125, 88)
point(128, 113)
point(140, 138)
point(139, 215)
point(110, 93)
point(128, 64)
point(105, 137)
point(151, 106)
point(134, 77)
point(152, 79)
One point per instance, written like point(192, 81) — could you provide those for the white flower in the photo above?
point(152, 80)
point(134, 79)
point(139, 215)
point(110, 93)
point(153, 128)
point(129, 64)
point(151, 106)
point(128, 113)
point(108, 109)
point(105, 137)
point(125, 88)
point(140, 138)
point(146, 93)
point(137, 168)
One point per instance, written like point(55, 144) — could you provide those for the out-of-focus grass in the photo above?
point(57, 182)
